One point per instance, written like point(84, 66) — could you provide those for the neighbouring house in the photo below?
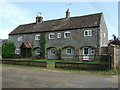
point(84, 36)
point(4, 40)
point(114, 51)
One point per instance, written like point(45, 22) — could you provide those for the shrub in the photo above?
point(8, 49)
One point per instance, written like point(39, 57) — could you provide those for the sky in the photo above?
point(13, 14)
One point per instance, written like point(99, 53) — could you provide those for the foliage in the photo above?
point(8, 49)
point(42, 43)
point(58, 52)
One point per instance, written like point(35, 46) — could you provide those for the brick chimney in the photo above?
point(67, 13)
point(39, 19)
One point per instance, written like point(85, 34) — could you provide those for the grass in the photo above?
point(18, 59)
point(94, 62)
point(69, 61)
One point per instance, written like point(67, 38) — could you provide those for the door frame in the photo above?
point(86, 56)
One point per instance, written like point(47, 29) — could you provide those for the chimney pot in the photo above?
point(67, 13)
point(39, 19)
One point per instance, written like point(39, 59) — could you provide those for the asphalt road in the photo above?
point(13, 77)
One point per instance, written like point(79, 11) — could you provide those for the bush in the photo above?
point(8, 49)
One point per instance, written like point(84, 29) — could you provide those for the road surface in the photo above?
point(13, 77)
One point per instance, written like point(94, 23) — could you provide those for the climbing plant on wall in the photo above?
point(42, 43)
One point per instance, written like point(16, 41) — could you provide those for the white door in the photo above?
point(86, 53)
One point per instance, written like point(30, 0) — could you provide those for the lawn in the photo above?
point(70, 61)
point(53, 61)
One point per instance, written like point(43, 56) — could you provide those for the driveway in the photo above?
point(13, 77)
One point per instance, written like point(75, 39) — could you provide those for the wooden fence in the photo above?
point(81, 66)
point(25, 62)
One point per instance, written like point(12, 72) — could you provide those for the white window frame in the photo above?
point(59, 35)
point(50, 36)
point(92, 51)
point(104, 34)
point(17, 51)
point(86, 51)
point(89, 33)
point(51, 52)
point(68, 52)
point(37, 37)
point(65, 34)
point(39, 51)
point(20, 38)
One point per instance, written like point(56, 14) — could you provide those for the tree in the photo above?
point(42, 43)
point(8, 49)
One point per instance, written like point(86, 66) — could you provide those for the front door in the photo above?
point(86, 53)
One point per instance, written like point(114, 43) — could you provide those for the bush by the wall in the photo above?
point(8, 49)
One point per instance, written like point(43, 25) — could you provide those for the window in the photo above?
point(88, 33)
point(104, 34)
point(92, 51)
point(37, 37)
point(86, 51)
point(17, 51)
point(69, 51)
point(52, 51)
point(67, 35)
point(20, 38)
point(59, 35)
point(51, 36)
point(38, 51)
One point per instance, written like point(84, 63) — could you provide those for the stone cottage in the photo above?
point(80, 35)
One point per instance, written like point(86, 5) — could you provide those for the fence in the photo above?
point(81, 66)
point(26, 62)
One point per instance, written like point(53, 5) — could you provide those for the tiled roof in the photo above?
point(92, 20)
point(26, 45)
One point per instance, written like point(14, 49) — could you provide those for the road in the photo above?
point(13, 77)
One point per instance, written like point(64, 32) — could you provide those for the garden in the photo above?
point(64, 64)
point(8, 50)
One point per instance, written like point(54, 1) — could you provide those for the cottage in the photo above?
point(81, 35)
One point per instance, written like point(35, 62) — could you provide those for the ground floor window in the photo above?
point(17, 51)
point(69, 51)
point(39, 52)
point(52, 51)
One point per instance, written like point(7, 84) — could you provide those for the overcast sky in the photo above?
point(13, 14)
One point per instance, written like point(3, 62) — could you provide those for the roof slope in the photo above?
point(92, 20)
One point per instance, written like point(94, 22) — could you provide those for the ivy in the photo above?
point(42, 43)
point(8, 49)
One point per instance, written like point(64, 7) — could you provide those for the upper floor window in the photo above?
point(20, 38)
point(67, 34)
point(37, 37)
point(59, 35)
point(69, 51)
point(51, 36)
point(88, 33)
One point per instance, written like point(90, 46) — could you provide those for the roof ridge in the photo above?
point(63, 18)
